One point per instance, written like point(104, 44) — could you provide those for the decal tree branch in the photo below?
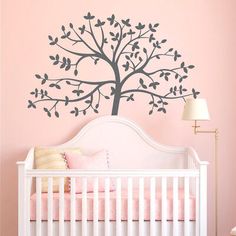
point(134, 54)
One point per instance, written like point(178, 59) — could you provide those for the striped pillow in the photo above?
point(52, 158)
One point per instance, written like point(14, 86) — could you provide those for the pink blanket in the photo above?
point(124, 204)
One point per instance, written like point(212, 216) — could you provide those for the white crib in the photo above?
point(166, 188)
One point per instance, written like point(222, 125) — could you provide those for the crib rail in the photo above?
point(191, 180)
point(113, 173)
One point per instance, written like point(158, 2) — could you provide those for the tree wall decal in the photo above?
point(128, 50)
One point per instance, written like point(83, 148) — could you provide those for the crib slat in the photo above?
point(118, 207)
point(107, 206)
point(84, 207)
point(50, 206)
point(186, 206)
point(38, 206)
point(72, 206)
point(95, 207)
point(197, 205)
point(141, 206)
point(130, 206)
point(164, 206)
point(152, 205)
point(61, 206)
point(175, 207)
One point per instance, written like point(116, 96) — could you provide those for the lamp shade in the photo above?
point(196, 109)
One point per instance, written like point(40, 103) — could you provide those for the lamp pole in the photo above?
point(216, 134)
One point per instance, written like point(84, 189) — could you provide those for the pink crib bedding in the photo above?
point(124, 204)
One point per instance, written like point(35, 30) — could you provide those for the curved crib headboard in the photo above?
point(128, 146)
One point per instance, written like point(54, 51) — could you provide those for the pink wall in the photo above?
point(204, 32)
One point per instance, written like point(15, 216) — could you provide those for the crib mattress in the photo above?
point(124, 206)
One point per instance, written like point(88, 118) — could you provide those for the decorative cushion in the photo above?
point(96, 161)
point(52, 158)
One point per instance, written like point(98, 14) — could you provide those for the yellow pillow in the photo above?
point(52, 158)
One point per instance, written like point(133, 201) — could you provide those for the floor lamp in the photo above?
point(197, 110)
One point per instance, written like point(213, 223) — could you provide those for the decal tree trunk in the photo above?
point(116, 101)
point(117, 95)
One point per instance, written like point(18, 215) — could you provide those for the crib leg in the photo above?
point(203, 201)
point(22, 227)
